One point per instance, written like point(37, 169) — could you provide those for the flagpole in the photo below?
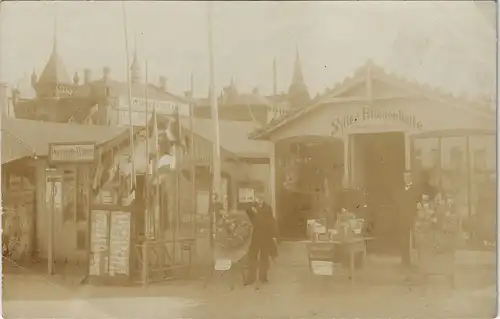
point(147, 217)
point(216, 169)
point(193, 158)
point(157, 217)
point(132, 150)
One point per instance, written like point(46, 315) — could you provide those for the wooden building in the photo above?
point(27, 179)
point(364, 134)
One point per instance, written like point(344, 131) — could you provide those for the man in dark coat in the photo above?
point(407, 200)
point(263, 245)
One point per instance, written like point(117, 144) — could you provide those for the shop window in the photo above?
point(480, 226)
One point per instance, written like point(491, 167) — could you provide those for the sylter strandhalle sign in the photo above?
point(340, 123)
point(72, 153)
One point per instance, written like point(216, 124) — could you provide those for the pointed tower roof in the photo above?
point(298, 76)
point(297, 92)
point(135, 67)
point(54, 71)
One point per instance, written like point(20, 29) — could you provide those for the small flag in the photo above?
point(97, 174)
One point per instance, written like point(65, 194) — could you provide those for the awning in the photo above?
point(13, 148)
point(22, 138)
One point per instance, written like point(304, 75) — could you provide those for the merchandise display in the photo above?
point(436, 226)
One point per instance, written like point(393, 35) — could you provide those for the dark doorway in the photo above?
point(309, 171)
point(383, 161)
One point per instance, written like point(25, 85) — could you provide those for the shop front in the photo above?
point(352, 147)
point(48, 193)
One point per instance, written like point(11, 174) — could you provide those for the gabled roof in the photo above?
point(239, 100)
point(233, 137)
point(117, 88)
point(14, 148)
point(377, 73)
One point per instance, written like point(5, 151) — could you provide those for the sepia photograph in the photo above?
point(248, 159)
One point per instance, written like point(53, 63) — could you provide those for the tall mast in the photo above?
point(147, 217)
point(275, 79)
point(193, 158)
point(132, 150)
point(217, 185)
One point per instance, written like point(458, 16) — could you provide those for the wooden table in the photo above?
point(352, 247)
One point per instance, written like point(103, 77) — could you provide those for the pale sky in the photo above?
point(442, 43)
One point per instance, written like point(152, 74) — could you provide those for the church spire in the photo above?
point(54, 44)
point(298, 76)
point(135, 68)
point(297, 92)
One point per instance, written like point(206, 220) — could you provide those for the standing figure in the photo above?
point(263, 245)
point(407, 200)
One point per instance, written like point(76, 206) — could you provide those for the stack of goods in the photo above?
point(348, 226)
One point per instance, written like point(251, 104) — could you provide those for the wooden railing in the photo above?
point(162, 260)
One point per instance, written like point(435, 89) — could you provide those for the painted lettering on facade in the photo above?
point(72, 153)
point(340, 123)
point(162, 107)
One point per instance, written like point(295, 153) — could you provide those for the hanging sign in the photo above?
point(340, 123)
point(72, 153)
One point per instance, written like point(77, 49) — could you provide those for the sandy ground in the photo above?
point(292, 293)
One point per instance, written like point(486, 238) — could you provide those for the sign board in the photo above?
point(322, 268)
point(222, 264)
point(246, 195)
point(72, 153)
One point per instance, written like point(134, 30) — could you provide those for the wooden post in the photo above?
point(348, 176)
point(145, 263)
point(272, 170)
point(469, 180)
point(50, 258)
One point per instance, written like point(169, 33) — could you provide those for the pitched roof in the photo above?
point(36, 136)
point(240, 99)
point(54, 71)
point(233, 137)
point(14, 148)
point(117, 88)
point(360, 75)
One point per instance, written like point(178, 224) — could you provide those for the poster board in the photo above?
point(98, 242)
point(110, 244)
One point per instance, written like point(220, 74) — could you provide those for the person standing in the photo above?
point(407, 200)
point(263, 245)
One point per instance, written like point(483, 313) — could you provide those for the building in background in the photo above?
point(255, 107)
point(104, 101)
point(6, 100)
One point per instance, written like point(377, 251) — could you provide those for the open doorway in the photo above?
point(309, 172)
point(381, 159)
